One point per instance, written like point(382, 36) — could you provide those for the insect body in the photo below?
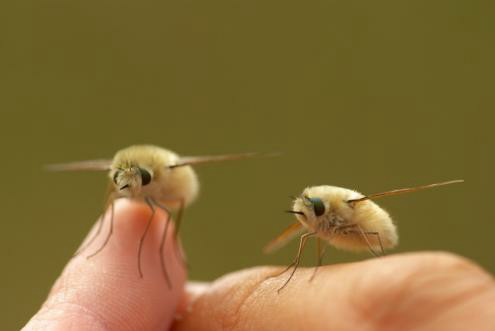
point(327, 212)
point(157, 176)
point(150, 172)
point(344, 218)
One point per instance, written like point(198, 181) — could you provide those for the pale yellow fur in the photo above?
point(168, 185)
point(366, 214)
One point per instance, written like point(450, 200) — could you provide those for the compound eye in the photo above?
point(145, 176)
point(318, 206)
point(115, 175)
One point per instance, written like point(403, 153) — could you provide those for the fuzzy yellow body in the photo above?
point(346, 219)
point(169, 185)
point(341, 220)
point(152, 173)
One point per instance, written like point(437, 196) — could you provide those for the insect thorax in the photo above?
point(329, 222)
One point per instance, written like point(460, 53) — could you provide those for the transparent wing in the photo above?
point(90, 165)
point(406, 190)
point(289, 233)
point(193, 160)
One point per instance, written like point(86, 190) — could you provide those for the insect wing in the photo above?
point(193, 160)
point(405, 190)
point(289, 233)
point(90, 165)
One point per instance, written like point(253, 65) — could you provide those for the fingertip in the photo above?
point(108, 284)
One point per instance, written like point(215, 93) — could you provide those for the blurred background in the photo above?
point(369, 95)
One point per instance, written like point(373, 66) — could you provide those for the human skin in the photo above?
point(416, 291)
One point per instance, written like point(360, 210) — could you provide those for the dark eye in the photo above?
point(115, 175)
point(145, 176)
point(318, 206)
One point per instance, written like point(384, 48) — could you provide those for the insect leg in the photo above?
point(150, 204)
point(379, 240)
point(181, 256)
point(101, 220)
point(109, 232)
point(180, 213)
point(321, 252)
point(288, 267)
point(365, 234)
point(302, 242)
point(162, 242)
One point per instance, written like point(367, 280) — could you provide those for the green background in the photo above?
point(370, 95)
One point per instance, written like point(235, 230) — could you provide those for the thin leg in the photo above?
point(302, 242)
point(181, 256)
point(109, 232)
point(284, 271)
point(365, 237)
point(162, 258)
point(162, 243)
point(379, 240)
point(367, 241)
point(178, 221)
point(321, 252)
point(292, 263)
point(141, 241)
point(101, 220)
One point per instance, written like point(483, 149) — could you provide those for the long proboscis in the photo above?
point(405, 190)
point(194, 160)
